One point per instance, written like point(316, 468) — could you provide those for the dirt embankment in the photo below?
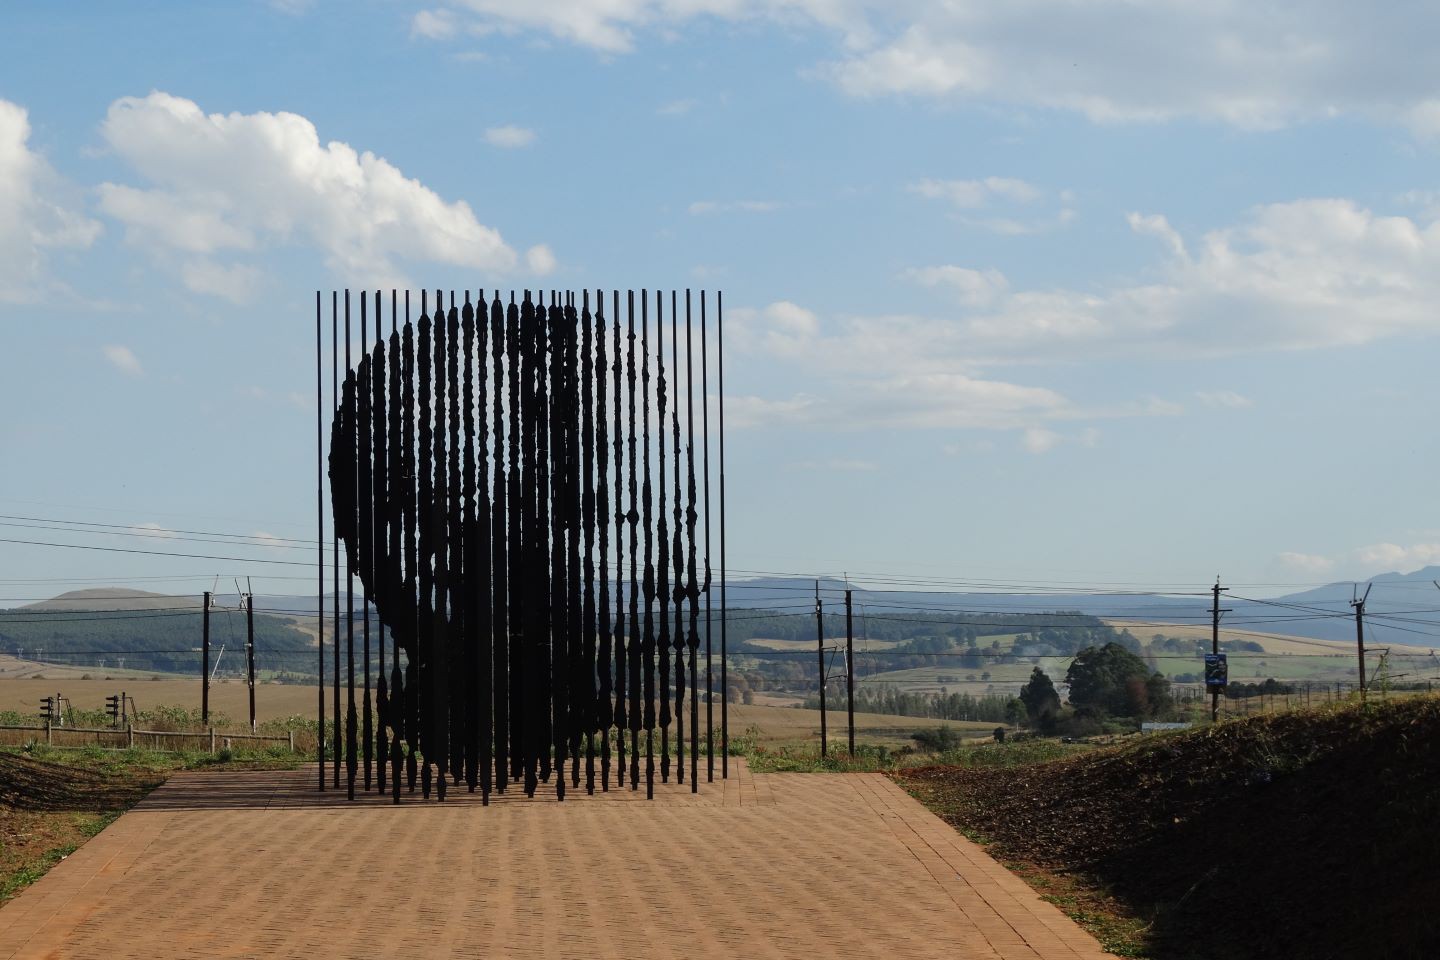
point(1311, 835)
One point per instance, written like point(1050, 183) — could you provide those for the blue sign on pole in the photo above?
point(1217, 672)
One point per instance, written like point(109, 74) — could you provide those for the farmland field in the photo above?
point(775, 724)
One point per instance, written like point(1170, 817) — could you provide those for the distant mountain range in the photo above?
point(1403, 608)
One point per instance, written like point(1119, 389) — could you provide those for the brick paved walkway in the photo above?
point(765, 866)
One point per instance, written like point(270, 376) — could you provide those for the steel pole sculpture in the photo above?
point(470, 467)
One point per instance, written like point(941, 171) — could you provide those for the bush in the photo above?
point(937, 740)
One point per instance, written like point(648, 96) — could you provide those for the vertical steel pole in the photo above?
point(364, 532)
point(705, 484)
point(724, 660)
point(335, 539)
point(320, 546)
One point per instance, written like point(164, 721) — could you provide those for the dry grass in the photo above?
point(272, 700)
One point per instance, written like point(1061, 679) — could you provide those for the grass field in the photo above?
point(775, 724)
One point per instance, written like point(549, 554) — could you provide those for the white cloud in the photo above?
point(228, 182)
point(677, 108)
point(974, 288)
point(540, 260)
point(968, 197)
point(122, 358)
point(509, 137)
point(1393, 556)
point(1299, 275)
point(434, 24)
point(1248, 65)
point(1309, 563)
point(33, 220)
point(969, 194)
point(237, 283)
point(1038, 439)
point(1223, 398)
point(1156, 225)
point(702, 207)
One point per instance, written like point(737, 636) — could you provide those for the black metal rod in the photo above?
point(320, 544)
point(692, 585)
point(366, 503)
point(485, 586)
point(662, 572)
point(380, 495)
point(605, 712)
point(705, 464)
point(676, 550)
point(724, 610)
point(335, 527)
point(348, 406)
point(621, 672)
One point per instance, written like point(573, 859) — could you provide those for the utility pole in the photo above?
point(205, 661)
point(250, 650)
point(1359, 606)
point(1215, 612)
point(850, 668)
point(820, 658)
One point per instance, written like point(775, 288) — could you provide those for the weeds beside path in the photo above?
point(53, 800)
point(1308, 834)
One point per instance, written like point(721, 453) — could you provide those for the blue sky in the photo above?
point(1041, 292)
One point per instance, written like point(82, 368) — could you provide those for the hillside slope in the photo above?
point(1296, 835)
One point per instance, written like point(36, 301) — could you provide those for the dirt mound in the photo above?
point(27, 784)
point(1297, 835)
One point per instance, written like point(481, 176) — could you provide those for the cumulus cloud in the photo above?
point(1299, 275)
point(509, 137)
point(33, 218)
point(1393, 556)
point(973, 288)
point(221, 184)
point(540, 260)
point(1309, 563)
point(434, 24)
point(1249, 65)
point(122, 358)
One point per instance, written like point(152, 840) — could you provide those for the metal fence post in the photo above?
point(130, 735)
point(212, 739)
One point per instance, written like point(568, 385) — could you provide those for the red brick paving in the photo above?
point(759, 866)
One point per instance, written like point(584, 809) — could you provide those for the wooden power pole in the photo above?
point(1359, 606)
point(850, 668)
point(820, 659)
point(205, 661)
point(250, 652)
point(1215, 612)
